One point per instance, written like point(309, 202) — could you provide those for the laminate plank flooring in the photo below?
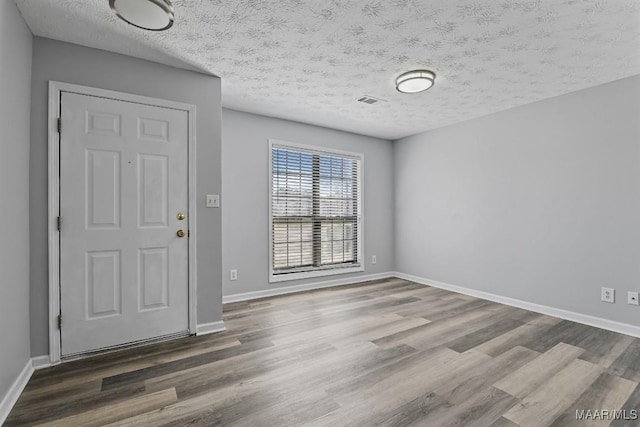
point(388, 352)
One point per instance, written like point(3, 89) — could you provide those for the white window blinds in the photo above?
point(315, 209)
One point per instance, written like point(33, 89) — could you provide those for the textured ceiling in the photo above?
point(310, 61)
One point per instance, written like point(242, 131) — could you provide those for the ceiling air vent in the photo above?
point(370, 100)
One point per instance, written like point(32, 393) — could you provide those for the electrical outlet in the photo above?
point(233, 274)
point(632, 298)
point(608, 295)
point(374, 259)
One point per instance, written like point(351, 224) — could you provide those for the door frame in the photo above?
point(55, 91)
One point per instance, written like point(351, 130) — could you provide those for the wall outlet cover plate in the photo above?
point(608, 295)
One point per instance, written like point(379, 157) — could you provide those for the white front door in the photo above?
point(123, 198)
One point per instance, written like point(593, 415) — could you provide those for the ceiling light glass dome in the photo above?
point(153, 15)
point(415, 81)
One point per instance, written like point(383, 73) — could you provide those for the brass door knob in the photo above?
point(180, 233)
point(180, 216)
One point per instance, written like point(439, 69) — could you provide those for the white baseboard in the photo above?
point(10, 399)
point(210, 328)
point(41, 362)
point(598, 322)
point(305, 287)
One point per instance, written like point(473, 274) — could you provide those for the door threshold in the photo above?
point(113, 349)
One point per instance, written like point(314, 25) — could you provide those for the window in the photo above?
point(316, 208)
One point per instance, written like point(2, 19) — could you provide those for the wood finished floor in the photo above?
point(388, 352)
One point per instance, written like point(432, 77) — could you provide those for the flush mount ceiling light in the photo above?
point(415, 81)
point(153, 15)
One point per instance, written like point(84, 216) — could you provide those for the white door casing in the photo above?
point(124, 273)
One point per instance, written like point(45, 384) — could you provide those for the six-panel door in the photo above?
point(123, 186)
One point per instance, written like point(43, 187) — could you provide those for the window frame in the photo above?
point(320, 271)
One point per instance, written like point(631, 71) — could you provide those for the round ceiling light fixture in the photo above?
point(152, 15)
point(415, 81)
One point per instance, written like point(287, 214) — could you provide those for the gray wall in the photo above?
point(53, 60)
point(539, 203)
point(15, 87)
point(245, 196)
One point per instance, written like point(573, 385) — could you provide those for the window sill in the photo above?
point(277, 278)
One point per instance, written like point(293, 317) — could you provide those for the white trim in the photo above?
point(193, 205)
point(55, 90)
point(314, 148)
point(40, 362)
point(305, 287)
point(54, 211)
point(585, 319)
point(10, 399)
point(210, 328)
point(275, 278)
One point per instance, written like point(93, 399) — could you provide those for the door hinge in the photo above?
point(59, 321)
point(59, 223)
point(188, 233)
point(59, 124)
